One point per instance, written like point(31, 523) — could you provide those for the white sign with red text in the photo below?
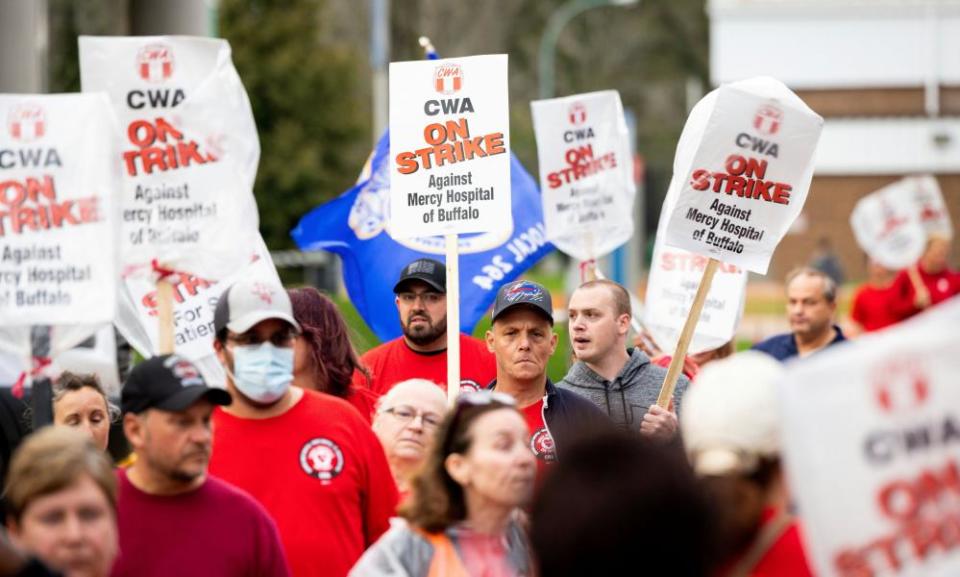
point(871, 441)
point(674, 278)
point(450, 147)
point(195, 300)
point(742, 172)
point(933, 210)
point(189, 151)
point(888, 227)
point(58, 211)
point(586, 172)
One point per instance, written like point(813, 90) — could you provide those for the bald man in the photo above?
point(406, 420)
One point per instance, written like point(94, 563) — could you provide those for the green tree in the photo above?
point(313, 138)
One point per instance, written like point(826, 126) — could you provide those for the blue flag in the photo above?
point(354, 226)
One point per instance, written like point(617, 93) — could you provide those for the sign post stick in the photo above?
point(676, 363)
point(41, 397)
point(922, 297)
point(165, 315)
point(453, 318)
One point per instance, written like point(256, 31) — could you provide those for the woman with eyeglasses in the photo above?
point(324, 358)
point(406, 421)
point(460, 518)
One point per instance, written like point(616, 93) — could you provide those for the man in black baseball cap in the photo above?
point(523, 341)
point(421, 352)
point(171, 514)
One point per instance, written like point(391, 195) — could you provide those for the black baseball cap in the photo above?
point(523, 293)
point(430, 271)
point(169, 383)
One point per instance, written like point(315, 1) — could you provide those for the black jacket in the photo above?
point(569, 416)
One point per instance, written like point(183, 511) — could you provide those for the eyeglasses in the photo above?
point(406, 414)
point(475, 399)
point(428, 297)
point(280, 339)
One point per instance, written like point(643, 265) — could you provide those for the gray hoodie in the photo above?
point(628, 396)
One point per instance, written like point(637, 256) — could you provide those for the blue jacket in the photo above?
point(783, 347)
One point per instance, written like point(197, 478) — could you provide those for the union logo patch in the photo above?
point(321, 458)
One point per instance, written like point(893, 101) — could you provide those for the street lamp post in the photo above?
point(555, 25)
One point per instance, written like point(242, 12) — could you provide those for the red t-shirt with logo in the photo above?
point(541, 442)
point(319, 471)
point(395, 361)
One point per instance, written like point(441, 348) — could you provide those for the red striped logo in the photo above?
point(155, 63)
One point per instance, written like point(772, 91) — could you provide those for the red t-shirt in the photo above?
point(541, 442)
point(320, 472)
point(871, 307)
point(394, 361)
point(214, 530)
point(786, 557)
point(941, 286)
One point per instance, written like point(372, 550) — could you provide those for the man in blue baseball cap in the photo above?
point(522, 339)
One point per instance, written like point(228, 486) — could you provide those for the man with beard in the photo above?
point(422, 350)
point(173, 518)
point(811, 305)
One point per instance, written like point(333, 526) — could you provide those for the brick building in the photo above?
point(885, 75)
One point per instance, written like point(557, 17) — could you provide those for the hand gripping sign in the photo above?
point(586, 172)
point(741, 174)
point(189, 151)
point(888, 226)
point(450, 161)
point(58, 224)
point(871, 444)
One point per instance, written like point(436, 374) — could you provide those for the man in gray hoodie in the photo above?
point(621, 381)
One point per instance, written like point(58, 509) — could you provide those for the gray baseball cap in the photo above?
point(249, 301)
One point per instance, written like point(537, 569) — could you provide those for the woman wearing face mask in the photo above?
point(61, 495)
point(79, 402)
point(324, 358)
point(460, 519)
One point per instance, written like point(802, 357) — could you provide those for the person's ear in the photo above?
point(458, 467)
point(553, 341)
point(133, 430)
point(489, 337)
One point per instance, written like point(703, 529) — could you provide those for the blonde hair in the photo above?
point(51, 460)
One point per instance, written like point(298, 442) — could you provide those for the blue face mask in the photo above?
point(263, 372)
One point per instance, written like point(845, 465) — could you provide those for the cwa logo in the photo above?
point(767, 119)
point(27, 122)
point(577, 113)
point(448, 78)
point(155, 63)
point(900, 385)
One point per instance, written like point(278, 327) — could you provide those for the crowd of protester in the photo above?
point(316, 461)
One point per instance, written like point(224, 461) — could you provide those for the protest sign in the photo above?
point(189, 151)
point(740, 177)
point(450, 162)
point(674, 277)
point(871, 442)
point(888, 226)
point(450, 147)
point(586, 172)
point(194, 302)
point(933, 210)
point(748, 178)
point(58, 224)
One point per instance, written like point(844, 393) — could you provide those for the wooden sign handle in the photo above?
point(921, 294)
point(453, 318)
point(165, 316)
point(676, 363)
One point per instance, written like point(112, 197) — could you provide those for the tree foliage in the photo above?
point(303, 91)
